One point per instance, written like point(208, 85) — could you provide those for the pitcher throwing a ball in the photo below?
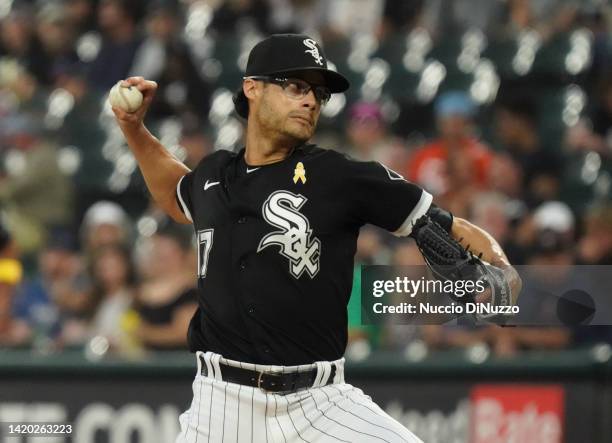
point(276, 227)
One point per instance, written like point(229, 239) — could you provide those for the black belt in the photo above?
point(269, 381)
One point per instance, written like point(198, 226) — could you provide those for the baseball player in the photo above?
point(276, 226)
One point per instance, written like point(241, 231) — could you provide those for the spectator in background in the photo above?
point(516, 125)
point(596, 16)
point(397, 335)
point(496, 213)
point(231, 16)
point(595, 248)
point(547, 17)
point(551, 261)
point(371, 250)
point(113, 284)
point(551, 274)
point(20, 86)
point(505, 176)
point(12, 331)
point(456, 165)
point(18, 41)
point(35, 192)
point(330, 19)
point(166, 297)
point(56, 37)
point(56, 303)
point(594, 134)
point(347, 18)
point(602, 117)
point(557, 217)
point(117, 20)
point(489, 210)
point(303, 16)
point(164, 57)
point(81, 15)
point(81, 130)
point(105, 224)
point(442, 17)
point(195, 141)
point(369, 137)
point(595, 245)
point(399, 16)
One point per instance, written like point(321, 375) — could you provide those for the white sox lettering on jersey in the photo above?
point(281, 209)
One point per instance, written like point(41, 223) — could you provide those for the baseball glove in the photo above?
point(449, 261)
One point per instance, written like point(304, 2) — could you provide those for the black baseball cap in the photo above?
point(284, 54)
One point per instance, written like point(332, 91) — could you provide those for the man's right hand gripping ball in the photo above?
point(133, 120)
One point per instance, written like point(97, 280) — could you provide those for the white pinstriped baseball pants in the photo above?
point(228, 412)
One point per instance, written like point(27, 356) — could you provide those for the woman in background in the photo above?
point(166, 298)
point(114, 279)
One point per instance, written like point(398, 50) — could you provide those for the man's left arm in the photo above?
point(478, 241)
point(382, 197)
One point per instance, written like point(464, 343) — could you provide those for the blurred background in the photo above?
point(502, 109)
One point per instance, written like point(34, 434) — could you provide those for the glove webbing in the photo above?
point(441, 247)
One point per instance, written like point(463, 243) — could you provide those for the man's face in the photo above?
point(279, 114)
point(57, 264)
point(454, 126)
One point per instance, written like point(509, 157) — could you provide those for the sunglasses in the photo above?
point(296, 88)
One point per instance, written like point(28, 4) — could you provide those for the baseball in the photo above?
point(128, 98)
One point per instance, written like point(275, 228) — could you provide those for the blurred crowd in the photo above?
point(502, 109)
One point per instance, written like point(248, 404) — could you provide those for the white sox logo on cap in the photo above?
point(314, 51)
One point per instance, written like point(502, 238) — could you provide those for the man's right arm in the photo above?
point(159, 168)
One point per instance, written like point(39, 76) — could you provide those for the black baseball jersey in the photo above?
point(276, 246)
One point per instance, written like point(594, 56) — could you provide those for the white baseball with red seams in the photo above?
point(128, 98)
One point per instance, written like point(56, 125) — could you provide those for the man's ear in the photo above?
point(249, 87)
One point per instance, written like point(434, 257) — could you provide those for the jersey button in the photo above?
point(251, 310)
point(242, 265)
point(242, 220)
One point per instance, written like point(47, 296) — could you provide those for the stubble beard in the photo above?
point(282, 126)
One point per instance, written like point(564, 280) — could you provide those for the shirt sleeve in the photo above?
point(383, 197)
point(183, 195)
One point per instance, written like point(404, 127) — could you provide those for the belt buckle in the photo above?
point(261, 373)
point(260, 379)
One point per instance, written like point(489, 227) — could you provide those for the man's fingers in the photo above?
point(140, 83)
point(123, 115)
point(147, 97)
point(484, 296)
point(146, 85)
point(134, 80)
point(119, 113)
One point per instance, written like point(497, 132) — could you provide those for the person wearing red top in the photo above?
point(457, 159)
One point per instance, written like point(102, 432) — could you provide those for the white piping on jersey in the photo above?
point(419, 210)
point(180, 197)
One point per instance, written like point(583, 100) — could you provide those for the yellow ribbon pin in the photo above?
point(300, 173)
